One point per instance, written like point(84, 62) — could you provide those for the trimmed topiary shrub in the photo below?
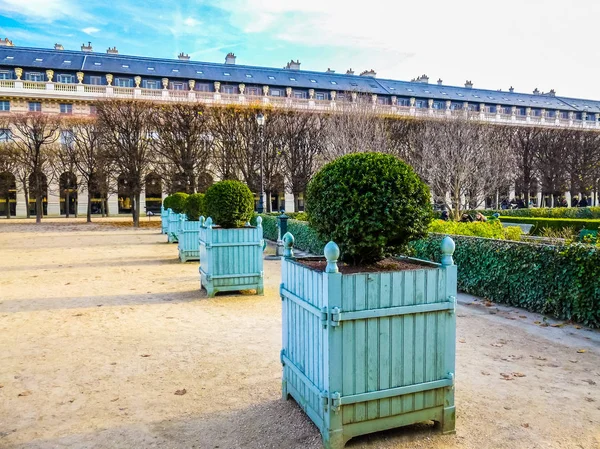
point(370, 204)
point(167, 202)
point(194, 206)
point(177, 202)
point(229, 203)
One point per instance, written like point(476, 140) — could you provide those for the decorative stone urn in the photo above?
point(242, 88)
point(18, 72)
point(265, 90)
point(371, 351)
point(288, 92)
point(138, 81)
point(49, 75)
point(109, 79)
point(165, 82)
point(80, 77)
point(217, 85)
point(192, 84)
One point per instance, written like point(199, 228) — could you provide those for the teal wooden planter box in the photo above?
point(164, 219)
point(231, 259)
point(188, 236)
point(173, 227)
point(371, 351)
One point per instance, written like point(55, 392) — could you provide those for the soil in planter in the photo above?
point(389, 264)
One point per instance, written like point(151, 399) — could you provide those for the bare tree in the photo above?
point(87, 154)
point(127, 130)
point(8, 168)
point(183, 143)
point(524, 144)
point(33, 137)
point(223, 125)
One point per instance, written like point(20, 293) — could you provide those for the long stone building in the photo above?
point(68, 82)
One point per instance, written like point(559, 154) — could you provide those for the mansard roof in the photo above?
point(119, 65)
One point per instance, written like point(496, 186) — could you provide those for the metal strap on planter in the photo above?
point(337, 401)
point(217, 245)
point(338, 316)
point(285, 293)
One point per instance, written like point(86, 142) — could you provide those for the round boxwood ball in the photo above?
point(194, 206)
point(229, 203)
point(178, 202)
point(167, 202)
point(370, 204)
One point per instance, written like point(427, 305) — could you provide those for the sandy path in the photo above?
point(100, 326)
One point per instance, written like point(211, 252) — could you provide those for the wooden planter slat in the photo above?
point(231, 259)
point(370, 351)
point(164, 219)
point(173, 227)
point(188, 235)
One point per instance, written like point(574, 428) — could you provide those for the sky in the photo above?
point(527, 44)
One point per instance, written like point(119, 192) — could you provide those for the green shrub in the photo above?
point(305, 238)
point(177, 202)
point(576, 224)
point(167, 202)
point(492, 229)
point(194, 206)
point(370, 204)
point(562, 280)
point(229, 203)
point(547, 212)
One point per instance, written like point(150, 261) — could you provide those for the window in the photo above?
point(403, 102)
point(253, 91)
point(226, 73)
point(151, 69)
point(4, 134)
point(564, 114)
point(38, 59)
point(66, 136)
point(97, 63)
point(10, 57)
point(421, 104)
point(491, 109)
point(248, 75)
point(34, 76)
point(439, 105)
point(299, 94)
point(383, 100)
point(320, 96)
point(550, 114)
point(125, 66)
point(175, 70)
point(177, 86)
point(203, 87)
point(409, 89)
point(199, 72)
point(229, 89)
point(271, 77)
point(275, 93)
point(150, 84)
point(35, 106)
point(95, 80)
point(93, 109)
point(313, 81)
point(292, 79)
point(5, 75)
point(123, 82)
point(333, 82)
point(66, 108)
point(4, 105)
point(66, 61)
point(354, 84)
point(64, 78)
point(391, 88)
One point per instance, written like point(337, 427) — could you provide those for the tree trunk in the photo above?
point(38, 207)
point(7, 204)
point(26, 192)
point(89, 209)
point(135, 210)
point(269, 202)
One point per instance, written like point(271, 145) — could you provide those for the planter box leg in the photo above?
point(260, 289)
point(448, 424)
point(334, 439)
point(284, 393)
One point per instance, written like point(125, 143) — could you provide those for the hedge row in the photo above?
point(563, 281)
point(305, 237)
point(546, 212)
point(490, 229)
point(576, 224)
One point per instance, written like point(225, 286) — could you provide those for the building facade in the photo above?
point(68, 82)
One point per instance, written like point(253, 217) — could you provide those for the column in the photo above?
point(142, 207)
point(82, 202)
point(21, 210)
point(53, 198)
point(290, 204)
point(539, 198)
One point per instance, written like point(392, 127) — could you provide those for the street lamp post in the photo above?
point(260, 120)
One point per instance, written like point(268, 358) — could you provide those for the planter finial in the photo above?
point(201, 220)
point(332, 253)
point(448, 247)
point(208, 222)
point(288, 243)
point(259, 222)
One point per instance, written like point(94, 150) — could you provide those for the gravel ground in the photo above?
point(102, 330)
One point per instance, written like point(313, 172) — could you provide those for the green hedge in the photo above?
point(576, 224)
point(563, 281)
point(546, 212)
point(491, 229)
point(305, 237)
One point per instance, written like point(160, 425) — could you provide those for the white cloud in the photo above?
point(536, 43)
point(191, 22)
point(90, 30)
point(42, 10)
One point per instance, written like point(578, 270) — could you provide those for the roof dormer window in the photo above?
point(97, 63)
point(292, 79)
point(151, 69)
point(313, 81)
point(125, 66)
point(248, 75)
point(333, 82)
point(10, 57)
point(271, 77)
point(226, 73)
point(38, 59)
point(66, 62)
point(199, 72)
point(175, 70)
